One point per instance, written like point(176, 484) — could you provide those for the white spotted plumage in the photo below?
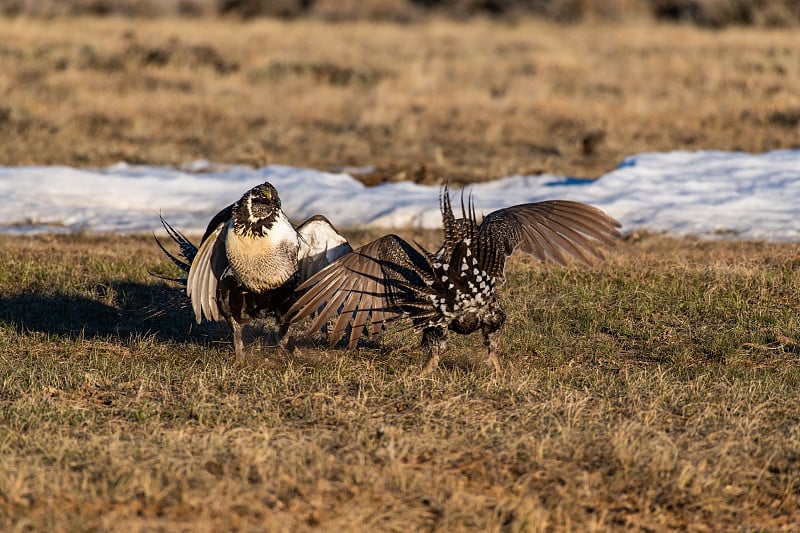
point(452, 289)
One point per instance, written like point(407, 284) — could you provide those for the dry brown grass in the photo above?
point(658, 392)
point(474, 101)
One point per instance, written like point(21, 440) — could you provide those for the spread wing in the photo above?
point(365, 289)
point(320, 245)
point(552, 230)
point(205, 272)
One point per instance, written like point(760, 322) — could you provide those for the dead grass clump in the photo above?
point(136, 56)
point(721, 13)
point(324, 72)
point(128, 8)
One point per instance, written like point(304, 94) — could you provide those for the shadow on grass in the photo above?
point(122, 310)
point(132, 309)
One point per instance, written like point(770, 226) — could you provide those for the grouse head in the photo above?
point(256, 211)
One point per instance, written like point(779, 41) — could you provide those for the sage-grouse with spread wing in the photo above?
point(251, 259)
point(453, 289)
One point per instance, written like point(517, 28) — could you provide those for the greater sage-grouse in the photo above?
point(250, 260)
point(455, 288)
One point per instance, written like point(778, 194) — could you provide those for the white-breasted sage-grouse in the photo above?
point(453, 289)
point(251, 259)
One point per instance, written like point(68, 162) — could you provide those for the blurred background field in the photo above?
point(711, 13)
point(508, 90)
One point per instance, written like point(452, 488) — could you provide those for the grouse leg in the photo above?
point(490, 341)
point(238, 343)
point(434, 340)
point(281, 338)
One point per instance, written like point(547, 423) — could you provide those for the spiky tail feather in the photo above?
point(188, 251)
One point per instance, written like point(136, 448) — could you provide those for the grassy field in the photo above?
point(659, 391)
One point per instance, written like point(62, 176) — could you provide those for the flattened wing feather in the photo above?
point(358, 289)
point(554, 230)
point(363, 316)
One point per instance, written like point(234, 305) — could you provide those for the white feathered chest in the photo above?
point(263, 262)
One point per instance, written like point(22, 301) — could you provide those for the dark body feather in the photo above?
point(250, 261)
point(453, 289)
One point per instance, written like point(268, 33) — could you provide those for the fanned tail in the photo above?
point(188, 251)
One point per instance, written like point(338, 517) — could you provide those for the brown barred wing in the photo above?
point(554, 230)
point(365, 290)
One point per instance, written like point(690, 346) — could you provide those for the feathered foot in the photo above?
point(238, 342)
point(434, 340)
point(490, 341)
point(282, 340)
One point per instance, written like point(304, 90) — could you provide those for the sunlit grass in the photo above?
point(657, 391)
